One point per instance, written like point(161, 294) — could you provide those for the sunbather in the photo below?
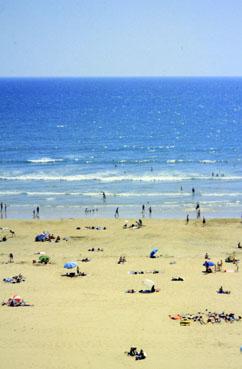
point(221, 290)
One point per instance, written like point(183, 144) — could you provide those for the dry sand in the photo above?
point(89, 322)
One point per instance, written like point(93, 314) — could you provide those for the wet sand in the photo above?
point(88, 322)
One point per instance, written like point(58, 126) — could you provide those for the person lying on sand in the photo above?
point(177, 279)
point(84, 260)
point(13, 302)
point(143, 272)
point(97, 228)
point(15, 279)
point(151, 290)
point(74, 275)
point(221, 290)
point(98, 249)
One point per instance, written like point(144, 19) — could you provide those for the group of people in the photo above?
point(144, 210)
point(207, 317)
point(97, 228)
point(198, 217)
point(3, 209)
point(137, 224)
point(91, 211)
point(138, 355)
point(36, 213)
point(45, 236)
point(98, 249)
point(122, 260)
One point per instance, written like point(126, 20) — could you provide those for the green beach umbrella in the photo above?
point(44, 259)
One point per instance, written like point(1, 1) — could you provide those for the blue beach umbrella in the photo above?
point(70, 265)
point(208, 264)
point(153, 252)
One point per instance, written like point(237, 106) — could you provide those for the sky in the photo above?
point(120, 38)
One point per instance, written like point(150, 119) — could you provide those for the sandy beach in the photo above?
point(89, 322)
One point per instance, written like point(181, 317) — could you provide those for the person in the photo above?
point(77, 270)
point(12, 232)
point(187, 220)
point(1, 207)
point(10, 258)
point(204, 221)
point(198, 214)
point(219, 266)
point(140, 355)
point(139, 223)
point(150, 211)
point(104, 197)
point(116, 215)
point(193, 191)
point(133, 351)
point(37, 211)
point(239, 246)
point(236, 266)
point(206, 256)
point(34, 214)
point(221, 290)
point(197, 206)
point(57, 239)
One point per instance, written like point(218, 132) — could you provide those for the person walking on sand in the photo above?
point(204, 221)
point(150, 211)
point(187, 220)
point(116, 215)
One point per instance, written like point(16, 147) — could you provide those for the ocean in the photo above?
point(142, 141)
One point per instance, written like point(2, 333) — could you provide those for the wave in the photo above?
point(44, 160)
point(202, 161)
point(112, 177)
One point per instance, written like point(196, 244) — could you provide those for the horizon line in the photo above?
point(119, 77)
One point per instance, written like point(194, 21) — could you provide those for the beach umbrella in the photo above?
point(153, 252)
point(44, 259)
point(208, 264)
point(70, 265)
point(148, 283)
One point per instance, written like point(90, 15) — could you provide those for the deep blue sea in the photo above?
point(140, 140)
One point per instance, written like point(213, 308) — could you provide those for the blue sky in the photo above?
point(120, 37)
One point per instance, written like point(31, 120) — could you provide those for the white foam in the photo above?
point(109, 177)
point(44, 160)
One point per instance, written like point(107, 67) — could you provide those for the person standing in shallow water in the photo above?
point(37, 211)
point(116, 215)
point(104, 197)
